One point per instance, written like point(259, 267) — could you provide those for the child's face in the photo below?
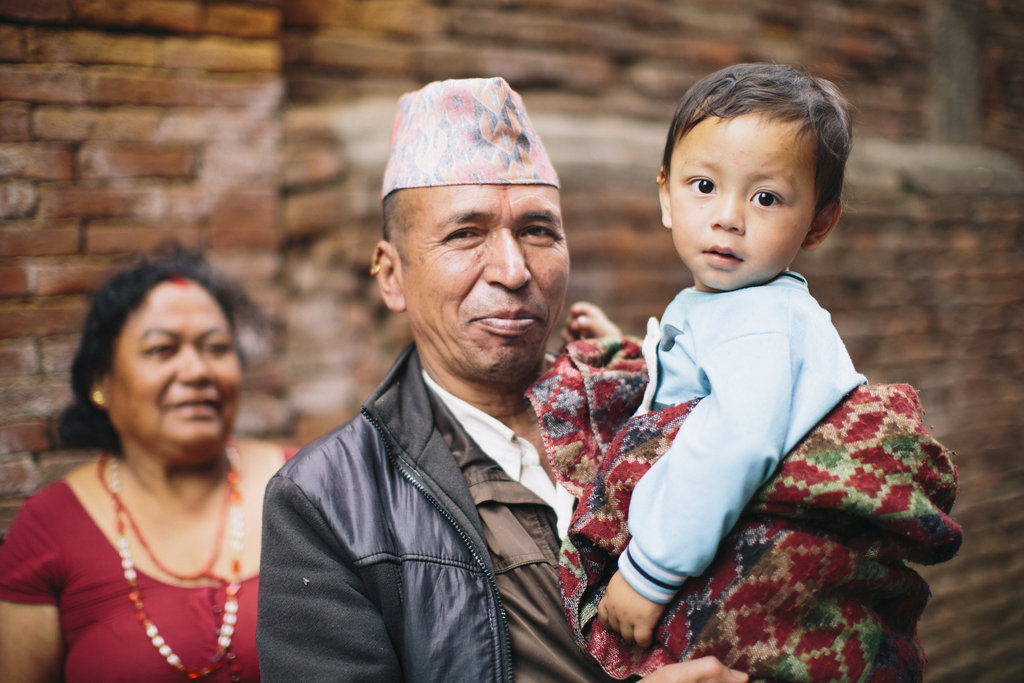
point(740, 200)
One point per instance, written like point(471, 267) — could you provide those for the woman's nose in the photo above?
point(192, 366)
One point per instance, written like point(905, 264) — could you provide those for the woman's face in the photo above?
point(173, 386)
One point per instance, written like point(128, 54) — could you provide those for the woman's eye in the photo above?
point(704, 186)
point(765, 199)
point(159, 351)
point(219, 348)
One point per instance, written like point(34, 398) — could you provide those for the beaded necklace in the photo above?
point(235, 525)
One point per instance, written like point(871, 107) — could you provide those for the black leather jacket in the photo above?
point(374, 564)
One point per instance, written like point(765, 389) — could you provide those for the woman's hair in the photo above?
point(81, 422)
point(780, 93)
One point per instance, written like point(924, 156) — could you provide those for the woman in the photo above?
point(143, 564)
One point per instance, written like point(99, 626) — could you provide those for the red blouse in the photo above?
point(55, 554)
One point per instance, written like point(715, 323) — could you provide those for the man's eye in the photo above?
point(766, 199)
point(540, 231)
point(704, 186)
point(460, 235)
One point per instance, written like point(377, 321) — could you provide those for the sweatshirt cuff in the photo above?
point(648, 579)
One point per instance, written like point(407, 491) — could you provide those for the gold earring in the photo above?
point(375, 269)
point(97, 398)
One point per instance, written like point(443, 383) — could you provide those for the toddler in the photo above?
point(752, 173)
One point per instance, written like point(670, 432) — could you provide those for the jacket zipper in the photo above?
point(410, 475)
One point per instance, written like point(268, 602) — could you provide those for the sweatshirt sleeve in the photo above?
point(727, 447)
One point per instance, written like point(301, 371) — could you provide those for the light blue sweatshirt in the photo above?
point(768, 365)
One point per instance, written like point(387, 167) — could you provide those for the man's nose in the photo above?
point(506, 261)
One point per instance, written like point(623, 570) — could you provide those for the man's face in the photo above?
point(482, 272)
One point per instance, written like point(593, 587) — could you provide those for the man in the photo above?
point(418, 541)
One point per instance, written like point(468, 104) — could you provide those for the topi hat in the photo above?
point(470, 131)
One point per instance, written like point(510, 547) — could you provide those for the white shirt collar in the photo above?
point(512, 453)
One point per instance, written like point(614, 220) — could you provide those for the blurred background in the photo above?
point(258, 131)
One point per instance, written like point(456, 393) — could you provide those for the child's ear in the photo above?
point(663, 199)
point(822, 225)
point(387, 268)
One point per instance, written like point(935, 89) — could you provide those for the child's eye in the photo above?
point(765, 198)
point(704, 186)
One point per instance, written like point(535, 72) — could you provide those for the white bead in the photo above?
point(130, 574)
point(224, 641)
point(165, 650)
point(173, 660)
point(230, 618)
point(151, 630)
point(158, 640)
point(231, 607)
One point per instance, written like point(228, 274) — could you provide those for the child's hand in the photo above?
point(588, 321)
point(628, 613)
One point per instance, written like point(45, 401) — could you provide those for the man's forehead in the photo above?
point(454, 202)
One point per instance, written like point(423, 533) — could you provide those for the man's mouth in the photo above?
point(507, 323)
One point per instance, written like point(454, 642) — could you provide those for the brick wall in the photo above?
point(259, 131)
point(123, 124)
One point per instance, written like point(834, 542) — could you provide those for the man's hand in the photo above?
point(703, 670)
point(628, 613)
point(588, 321)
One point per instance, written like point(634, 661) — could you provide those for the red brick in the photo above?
point(105, 160)
point(90, 47)
point(27, 400)
point(353, 50)
point(98, 200)
point(246, 218)
point(14, 122)
point(36, 10)
point(28, 435)
point(311, 164)
point(93, 123)
point(18, 199)
point(58, 352)
point(178, 16)
point(308, 213)
point(18, 357)
point(64, 277)
point(18, 474)
point(15, 281)
point(11, 43)
point(113, 85)
point(41, 83)
point(33, 238)
point(41, 317)
point(110, 237)
point(221, 54)
point(35, 161)
point(243, 21)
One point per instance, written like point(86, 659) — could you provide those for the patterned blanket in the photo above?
point(811, 584)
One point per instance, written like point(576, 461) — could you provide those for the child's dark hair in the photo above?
point(780, 93)
point(82, 423)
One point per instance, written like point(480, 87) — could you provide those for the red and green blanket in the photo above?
point(811, 584)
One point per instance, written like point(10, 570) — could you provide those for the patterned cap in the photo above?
point(471, 131)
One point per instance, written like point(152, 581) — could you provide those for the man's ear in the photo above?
point(387, 266)
point(822, 225)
